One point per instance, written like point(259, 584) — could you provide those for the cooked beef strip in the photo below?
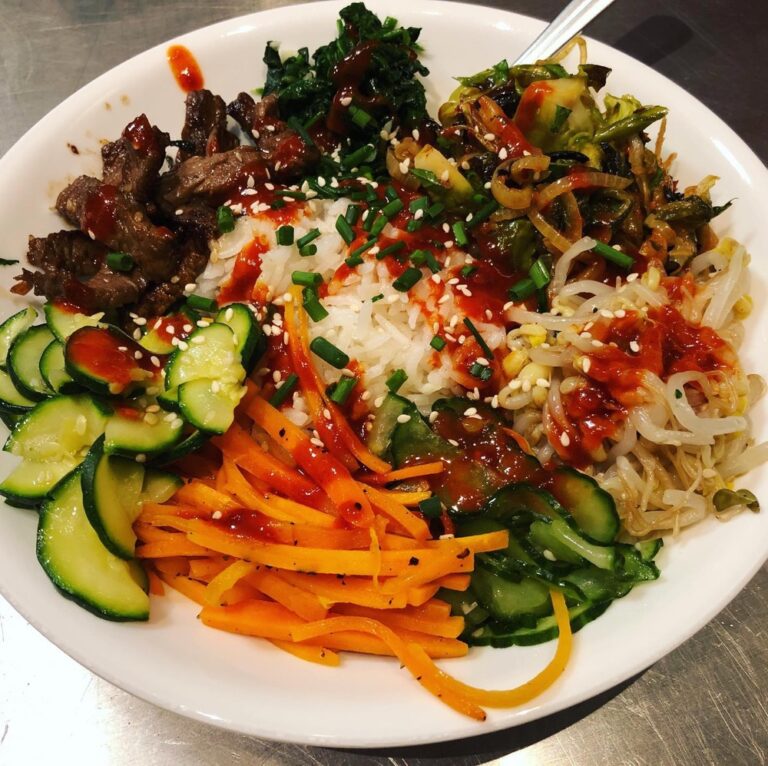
point(205, 126)
point(133, 162)
point(114, 219)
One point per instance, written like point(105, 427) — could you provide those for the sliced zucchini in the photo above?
point(385, 422)
point(159, 486)
point(77, 562)
point(13, 327)
point(187, 445)
point(53, 371)
point(112, 498)
point(24, 362)
point(11, 400)
point(251, 341)
point(210, 404)
point(592, 508)
point(57, 429)
point(133, 432)
point(64, 318)
point(169, 400)
point(211, 352)
point(106, 361)
point(31, 481)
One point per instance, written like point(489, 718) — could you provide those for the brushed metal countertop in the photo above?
point(706, 703)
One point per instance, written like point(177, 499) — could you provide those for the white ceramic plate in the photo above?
point(245, 684)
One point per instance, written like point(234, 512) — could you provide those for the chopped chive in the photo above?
point(425, 176)
point(295, 124)
point(378, 225)
point(284, 235)
point(391, 193)
point(225, 220)
point(561, 115)
point(310, 236)
point(425, 258)
point(542, 301)
point(392, 208)
point(470, 325)
point(346, 231)
point(307, 250)
point(359, 116)
point(413, 225)
point(434, 210)
point(285, 388)
point(418, 257)
point(484, 212)
point(292, 194)
point(432, 508)
point(368, 219)
point(539, 273)
point(614, 256)
point(119, 261)
point(459, 234)
point(311, 304)
point(407, 279)
point(352, 215)
point(437, 343)
point(358, 251)
point(481, 371)
point(432, 263)
point(277, 204)
point(343, 389)
point(353, 260)
point(521, 290)
point(468, 271)
point(306, 278)
point(396, 380)
point(329, 353)
point(201, 303)
point(364, 154)
point(378, 297)
point(395, 247)
point(420, 203)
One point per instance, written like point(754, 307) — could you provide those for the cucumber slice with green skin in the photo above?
point(112, 498)
point(602, 556)
point(542, 536)
point(159, 486)
point(169, 400)
point(186, 446)
point(251, 341)
point(211, 352)
point(160, 333)
point(510, 602)
point(78, 564)
point(32, 481)
point(9, 418)
point(24, 362)
point(385, 422)
point(12, 327)
point(60, 428)
point(516, 499)
point(11, 400)
point(210, 404)
point(64, 318)
point(648, 549)
point(592, 508)
point(106, 361)
point(53, 371)
point(132, 432)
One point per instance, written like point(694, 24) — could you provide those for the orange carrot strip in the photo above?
point(447, 627)
point(207, 569)
point(189, 588)
point(434, 609)
point(150, 511)
point(400, 474)
point(170, 548)
point(521, 441)
point(454, 582)
point(415, 526)
point(405, 498)
point(325, 469)
point(422, 571)
point(317, 654)
point(172, 566)
point(148, 533)
point(421, 594)
point(485, 543)
point(227, 579)
point(352, 590)
point(206, 498)
point(302, 603)
point(155, 583)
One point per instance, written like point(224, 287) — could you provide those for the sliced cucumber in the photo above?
point(385, 422)
point(648, 549)
point(13, 327)
point(77, 562)
point(24, 362)
point(510, 602)
point(251, 341)
point(209, 404)
point(510, 501)
point(545, 539)
point(169, 400)
point(159, 486)
point(592, 508)
point(11, 400)
point(31, 481)
point(133, 432)
point(64, 318)
point(57, 429)
point(211, 352)
point(9, 418)
point(53, 371)
point(187, 445)
point(112, 498)
point(602, 556)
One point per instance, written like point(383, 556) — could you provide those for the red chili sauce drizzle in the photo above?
point(100, 217)
point(170, 327)
point(666, 344)
point(347, 75)
point(140, 134)
point(246, 271)
point(186, 71)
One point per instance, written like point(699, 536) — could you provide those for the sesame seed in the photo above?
point(155, 361)
point(526, 387)
point(448, 243)
point(316, 442)
point(542, 383)
point(515, 385)
point(446, 228)
point(488, 314)
point(453, 442)
point(216, 515)
point(189, 287)
point(632, 277)
point(403, 418)
point(470, 411)
point(183, 346)
point(415, 134)
point(365, 396)
point(197, 339)
point(286, 338)
point(437, 279)
point(508, 305)
point(419, 214)
point(432, 417)
point(634, 346)
point(137, 334)
point(586, 364)
point(345, 100)
point(503, 153)
point(444, 176)
point(404, 165)
point(495, 401)
point(378, 401)
point(469, 217)
point(597, 343)
point(489, 136)
point(444, 298)
point(565, 440)
point(327, 414)
point(216, 386)
point(138, 355)
point(482, 360)
point(606, 313)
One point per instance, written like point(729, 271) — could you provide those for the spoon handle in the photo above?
point(571, 20)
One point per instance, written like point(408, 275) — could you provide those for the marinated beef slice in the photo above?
point(205, 126)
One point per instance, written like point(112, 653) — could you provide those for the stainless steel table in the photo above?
point(706, 703)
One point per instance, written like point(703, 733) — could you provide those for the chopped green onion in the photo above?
point(434, 210)
point(119, 261)
point(420, 203)
point(378, 225)
point(284, 235)
point(521, 290)
point(295, 124)
point(307, 250)
point(418, 257)
point(481, 371)
point(425, 258)
point(359, 116)
point(561, 115)
point(468, 271)
point(368, 219)
point(395, 247)
point(392, 208)
point(470, 325)
point(224, 219)
point(432, 263)
point(353, 260)
point(311, 303)
point(200, 303)
point(329, 353)
point(414, 225)
point(432, 508)
point(407, 279)
point(352, 214)
point(310, 236)
point(346, 231)
point(285, 388)
point(614, 256)
point(364, 154)
point(425, 176)
point(539, 273)
point(358, 251)
point(437, 343)
point(277, 204)
point(343, 389)
point(542, 301)
point(292, 194)
point(396, 380)
point(459, 234)
point(483, 213)
point(378, 297)
point(306, 278)
point(391, 193)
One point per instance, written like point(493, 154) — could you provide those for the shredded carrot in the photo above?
point(521, 441)
point(413, 525)
point(400, 474)
point(316, 654)
point(155, 583)
point(299, 601)
point(180, 547)
point(227, 579)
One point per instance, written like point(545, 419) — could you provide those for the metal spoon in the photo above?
point(571, 20)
